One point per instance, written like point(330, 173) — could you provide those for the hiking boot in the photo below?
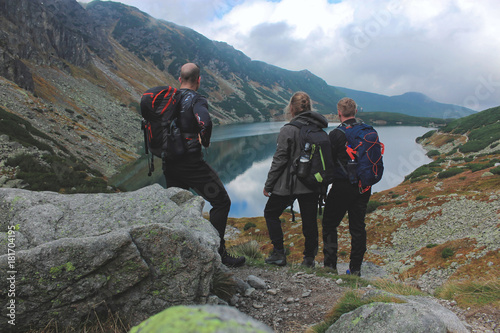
point(308, 262)
point(331, 269)
point(277, 257)
point(232, 261)
point(356, 273)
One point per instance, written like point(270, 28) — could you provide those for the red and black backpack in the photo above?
point(160, 109)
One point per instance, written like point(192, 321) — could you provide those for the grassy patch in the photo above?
point(250, 249)
point(397, 287)
point(476, 293)
point(96, 322)
point(353, 281)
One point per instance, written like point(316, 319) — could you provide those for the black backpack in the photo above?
point(314, 166)
point(160, 109)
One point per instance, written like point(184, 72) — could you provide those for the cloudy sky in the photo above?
point(446, 49)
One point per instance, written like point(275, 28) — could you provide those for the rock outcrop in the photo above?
point(135, 253)
point(208, 318)
point(417, 314)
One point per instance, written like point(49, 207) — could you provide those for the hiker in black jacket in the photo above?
point(190, 170)
point(344, 197)
point(279, 181)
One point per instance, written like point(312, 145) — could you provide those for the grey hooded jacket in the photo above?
point(287, 150)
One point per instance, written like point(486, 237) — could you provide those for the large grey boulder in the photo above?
point(417, 315)
point(135, 253)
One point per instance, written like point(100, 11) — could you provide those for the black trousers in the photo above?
point(308, 204)
point(344, 197)
point(191, 171)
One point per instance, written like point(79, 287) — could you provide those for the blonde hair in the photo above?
point(300, 102)
point(347, 107)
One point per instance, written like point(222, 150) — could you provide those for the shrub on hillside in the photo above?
point(447, 252)
point(433, 153)
point(425, 136)
point(495, 171)
point(249, 225)
point(479, 166)
point(482, 138)
point(372, 205)
point(419, 172)
point(450, 172)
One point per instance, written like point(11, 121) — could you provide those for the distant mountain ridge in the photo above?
point(239, 89)
point(410, 103)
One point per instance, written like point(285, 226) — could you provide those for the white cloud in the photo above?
point(446, 49)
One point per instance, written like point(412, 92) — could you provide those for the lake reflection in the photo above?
point(242, 156)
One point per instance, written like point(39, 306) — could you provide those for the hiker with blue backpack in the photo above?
point(357, 155)
point(299, 170)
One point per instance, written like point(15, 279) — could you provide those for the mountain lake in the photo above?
point(242, 154)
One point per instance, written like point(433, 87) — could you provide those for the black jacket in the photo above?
point(194, 120)
point(338, 141)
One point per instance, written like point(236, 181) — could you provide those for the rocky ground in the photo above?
point(294, 299)
point(406, 238)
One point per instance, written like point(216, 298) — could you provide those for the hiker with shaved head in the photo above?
point(190, 170)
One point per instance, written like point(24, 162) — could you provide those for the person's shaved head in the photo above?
point(190, 73)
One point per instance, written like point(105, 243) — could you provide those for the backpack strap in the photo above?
point(146, 128)
point(342, 128)
point(299, 124)
point(291, 184)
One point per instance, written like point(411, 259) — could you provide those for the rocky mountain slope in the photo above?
point(76, 73)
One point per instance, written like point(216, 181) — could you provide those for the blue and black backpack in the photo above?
point(365, 165)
